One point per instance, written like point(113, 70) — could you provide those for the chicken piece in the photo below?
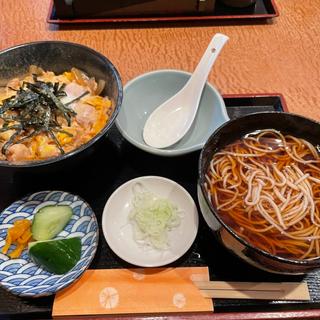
point(48, 76)
point(73, 90)
point(4, 94)
point(18, 152)
point(14, 84)
point(5, 136)
point(86, 115)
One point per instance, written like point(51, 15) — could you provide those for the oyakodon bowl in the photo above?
point(60, 56)
point(230, 132)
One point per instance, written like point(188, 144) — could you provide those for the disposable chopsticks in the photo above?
point(254, 290)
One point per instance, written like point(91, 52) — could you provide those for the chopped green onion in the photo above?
point(152, 218)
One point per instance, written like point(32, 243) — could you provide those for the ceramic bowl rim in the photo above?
point(166, 152)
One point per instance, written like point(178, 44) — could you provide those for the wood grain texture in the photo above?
point(282, 56)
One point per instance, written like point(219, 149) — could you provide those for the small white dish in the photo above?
point(118, 231)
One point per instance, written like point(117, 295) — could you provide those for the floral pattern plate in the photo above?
point(24, 278)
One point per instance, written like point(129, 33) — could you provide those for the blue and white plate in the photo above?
point(24, 278)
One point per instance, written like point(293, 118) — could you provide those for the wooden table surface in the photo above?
point(282, 56)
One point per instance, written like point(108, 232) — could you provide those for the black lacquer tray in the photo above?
point(115, 162)
point(263, 9)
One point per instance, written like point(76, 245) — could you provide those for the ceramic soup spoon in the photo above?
point(169, 122)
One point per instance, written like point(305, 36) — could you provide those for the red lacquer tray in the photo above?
point(128, 162)
point(264, 9)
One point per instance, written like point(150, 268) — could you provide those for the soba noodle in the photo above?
point(266, 187)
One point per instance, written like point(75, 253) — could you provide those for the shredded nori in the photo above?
point(37, 107)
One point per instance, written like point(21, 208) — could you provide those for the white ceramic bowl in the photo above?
point(118, 231)
point(146, 92)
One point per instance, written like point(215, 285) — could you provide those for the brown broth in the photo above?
point(269, 199)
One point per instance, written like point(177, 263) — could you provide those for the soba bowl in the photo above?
point(59, 56)
point(228, 133)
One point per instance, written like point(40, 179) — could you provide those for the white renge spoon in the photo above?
point(169, 122)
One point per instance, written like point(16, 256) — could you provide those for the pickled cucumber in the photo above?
point(49, 221)
point(57, 256)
